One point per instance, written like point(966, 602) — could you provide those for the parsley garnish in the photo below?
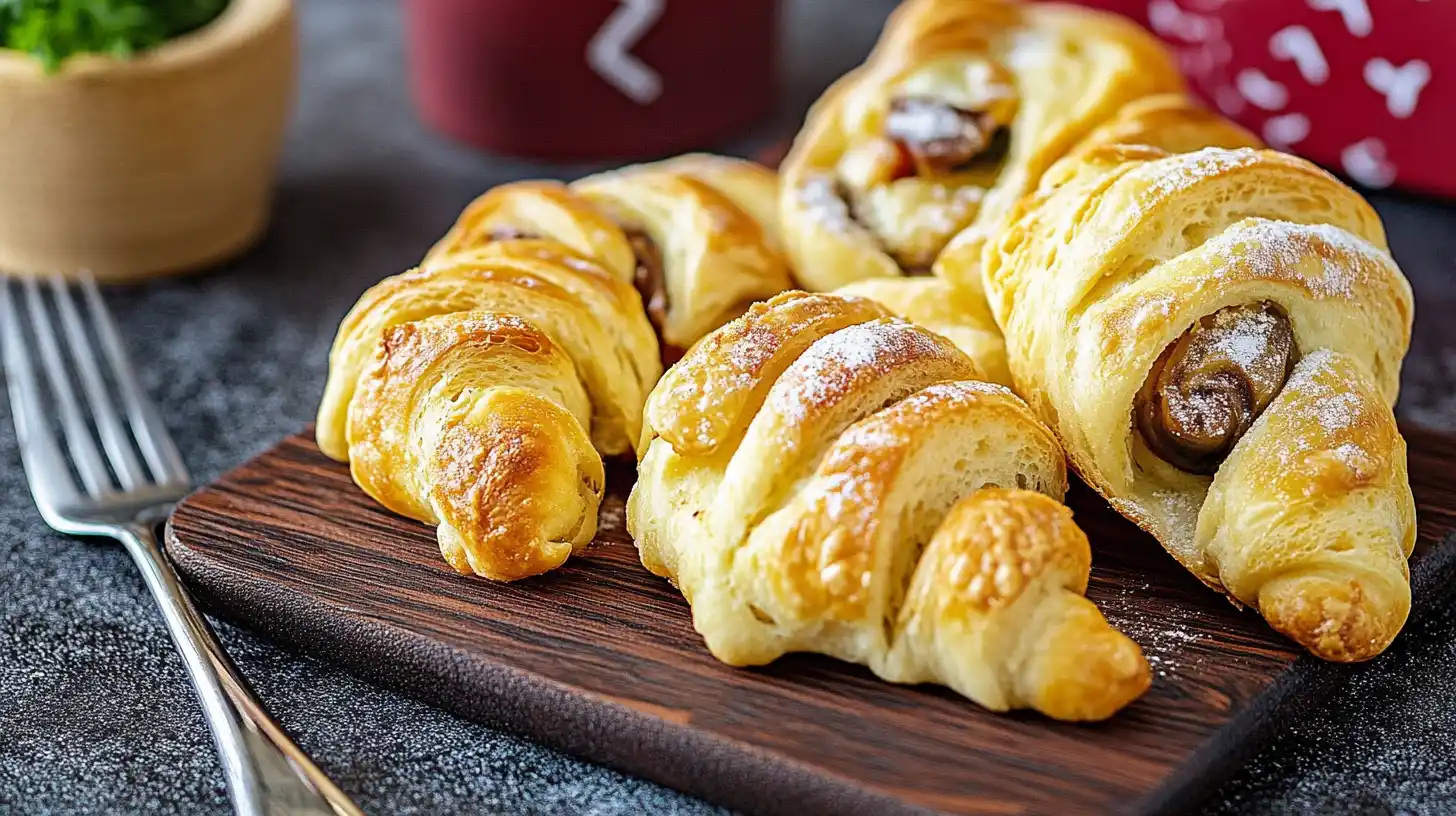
point(52, 30)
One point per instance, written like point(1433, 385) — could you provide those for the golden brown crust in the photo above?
point(700, 402)
point(1120, 253)
point(688, 242)
point(829, 555)
point(795, 463)
point(958, 314)
point(596, 317)
point(834, 383)
point(451, 426)
point(710, 222)
point(1317, 494)
point(990, 549)
point(752, 187)
point(539, 209)
point(479, 393)
point(717, 257)
point(1049, 73)
point(998, 548)
point(1172, 122)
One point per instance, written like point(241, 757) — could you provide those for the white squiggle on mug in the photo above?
point(610, 51)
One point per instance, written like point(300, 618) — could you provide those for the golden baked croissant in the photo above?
point(959, 315)
point(1168, 123)
point(955, 116)
point(1173, 122)
point(478, 394)
point(1217, 338)
point(820, 476)
point(697, 235)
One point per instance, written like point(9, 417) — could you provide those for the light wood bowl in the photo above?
point(163, 163)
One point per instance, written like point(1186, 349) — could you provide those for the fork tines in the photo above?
point(111, 407)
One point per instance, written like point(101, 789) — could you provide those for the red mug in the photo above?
point(1364, 87)
point(590, 79)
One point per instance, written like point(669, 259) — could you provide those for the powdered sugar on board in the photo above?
point(1167, 641)
point(1313, 765)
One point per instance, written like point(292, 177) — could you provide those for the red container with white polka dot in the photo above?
point(1365, 87)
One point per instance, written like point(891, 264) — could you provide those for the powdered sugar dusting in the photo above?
point(1351, 455)
point(825, 373)
point(1335, 410)
point(1272, 247)
point(936, 402)
point(1246, 342)
point(1204, 413)
point(1164, 635)
point(921, 121)
point(914, 218)
point(1338, 412)
point(1194, 168)
point(950, 209)
point(821, 197)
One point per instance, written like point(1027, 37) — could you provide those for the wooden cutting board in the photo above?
point(600, 658)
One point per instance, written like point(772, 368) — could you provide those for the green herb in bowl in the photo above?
point(52, 30)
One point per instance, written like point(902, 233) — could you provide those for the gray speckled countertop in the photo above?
point(95, 714)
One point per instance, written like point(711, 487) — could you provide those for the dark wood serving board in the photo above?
point(600, 658)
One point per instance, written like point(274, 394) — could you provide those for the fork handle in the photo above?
point(266, 773)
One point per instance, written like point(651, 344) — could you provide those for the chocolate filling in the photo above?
point(650, 278)
point(1209, 386)
point(510, 234)
point(831, 199)
point(939, 137)
point(932, 138)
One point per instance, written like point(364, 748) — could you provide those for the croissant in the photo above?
point(950, 311)
point(1216, 338)
point(820, 476)
point(479, 393)
point(697, 235)
point(955, 116)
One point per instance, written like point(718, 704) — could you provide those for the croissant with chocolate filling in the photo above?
point(819, 476)
point(1217, 337)
point(478, 394)
point(957, 113)
point(1172, 122)
point(696, 234)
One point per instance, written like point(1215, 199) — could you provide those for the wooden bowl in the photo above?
point(162, 163)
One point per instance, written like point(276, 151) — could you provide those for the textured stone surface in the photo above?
point(95, 714)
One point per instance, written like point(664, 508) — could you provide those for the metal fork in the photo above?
point(124, 497)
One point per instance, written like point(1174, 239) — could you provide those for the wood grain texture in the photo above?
point(600, 659)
